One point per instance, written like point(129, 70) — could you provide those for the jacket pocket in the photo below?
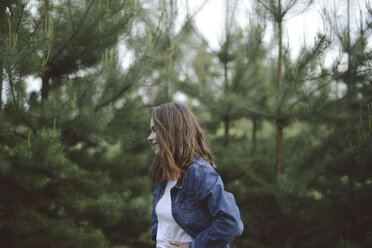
point(192, 210)
point(195, 214)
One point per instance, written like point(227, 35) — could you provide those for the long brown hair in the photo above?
point(180, 139)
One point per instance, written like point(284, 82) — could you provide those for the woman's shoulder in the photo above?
point(203, 177)
point(199, 163)
point(200, 168)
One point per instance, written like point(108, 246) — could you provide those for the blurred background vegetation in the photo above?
point(291, 134)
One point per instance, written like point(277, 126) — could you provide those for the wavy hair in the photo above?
point(180, 139)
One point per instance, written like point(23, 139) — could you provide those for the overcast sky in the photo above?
point(298, 29)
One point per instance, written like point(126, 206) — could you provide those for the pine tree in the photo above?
point(296, 104)
point(73, 155)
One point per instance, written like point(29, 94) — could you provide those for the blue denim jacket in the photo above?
point(202, 207)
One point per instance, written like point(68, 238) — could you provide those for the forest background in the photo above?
point(290, 133)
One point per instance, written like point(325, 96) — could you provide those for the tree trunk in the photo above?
point(279, 147)
point(45, 88)
point(226, 122)
point(279, 121)
point(280, 55)
point(226, 118)
point(254, 135)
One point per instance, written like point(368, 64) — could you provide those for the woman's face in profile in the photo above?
point(152, 138)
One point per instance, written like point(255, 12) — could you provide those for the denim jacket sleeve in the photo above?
point(227, 223)
point(154, 219)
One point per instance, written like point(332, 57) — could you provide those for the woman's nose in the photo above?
point(150, 138)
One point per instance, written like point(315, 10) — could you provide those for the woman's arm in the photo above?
point(227, 223)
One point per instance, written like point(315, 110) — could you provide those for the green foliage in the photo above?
point(320, 195)
point(74, 158)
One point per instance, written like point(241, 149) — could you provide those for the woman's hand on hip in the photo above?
point(179, 244)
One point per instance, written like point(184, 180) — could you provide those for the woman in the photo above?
point(191, 209)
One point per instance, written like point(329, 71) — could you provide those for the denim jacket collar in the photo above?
point(180, 181)
point(179, 184)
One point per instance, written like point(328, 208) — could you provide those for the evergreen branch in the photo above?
point(129, 85)
point(229, 22)
point(245, 66)
point(256, 112)
point(289, 6)
point(33, 50)
point(308, 95)
point(156, 33)
point(78, 138)
point(51, 60)
point(272, 9)
point(82, 20)
point(265, 6)
point(283, 97)
point(316, 50)
point(322, 75)
point(131, 15)
point(75, 32)
point(13, 135)
point(33, 32)
point(69, 13)
point(115, 97)
point(188, 21)
point(126, 87)
point(316, 110)
point(19, 19)
point(15, 102)
point(143, 60)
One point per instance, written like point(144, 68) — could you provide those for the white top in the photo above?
point(168, 229)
